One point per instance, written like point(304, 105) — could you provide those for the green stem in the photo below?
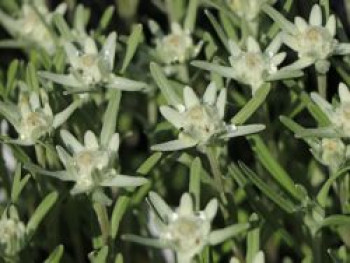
point(102, 216)
point(215, 168)
point(322, 84)
point(316, 248)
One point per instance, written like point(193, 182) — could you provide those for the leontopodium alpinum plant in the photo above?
point(32, 26)
point(184, 230)
point(314, 43)
point(102, 154)
point(32, 117)
point(90, 68)
point(252, 67)
point(201, 121)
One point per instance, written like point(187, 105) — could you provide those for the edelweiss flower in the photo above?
point(90, 68)
point(313, 42)
point(252, 67)
point(176, 47)
point(331, 152)
point(339, 114)
point(201, 122)
point(12, 234)
point(32, 117)
point(90, 165)
point(185, 230)
point(248, 9)
point(32, 24)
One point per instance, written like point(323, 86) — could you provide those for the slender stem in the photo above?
point(322, 84)
point(215, 168)
point(102, 217)
point(316, 247)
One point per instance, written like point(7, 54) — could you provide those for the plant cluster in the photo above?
point(175, 131)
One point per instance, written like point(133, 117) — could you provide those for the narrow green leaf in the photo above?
point(253, 241)
point(31, 77)
point(218, 236)
point(148, 165)
point(325, 5)
point(118, 212)
point(41, 212)
point(100, 256)
point(164, 85)
point(335, 220)
point(18, 184)
point(110, 118)
point(291, 125)
point(279, 19)
point(191, 15)
point(195, 180)
point(62, 27)
point(228, 27)
point(119, 258)
point(323, 193)
point(56, 255)
point(152, 242)
point(106, 17)
point(134, 40)
point(11, 76)
point(265, 188)
point(252, 105)
point(218, 29)
point(314, 110)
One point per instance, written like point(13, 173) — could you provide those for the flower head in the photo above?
point(314, 42)
point(12, 234)
point(176, 47)
point(248, 9)
point(91, 165)
point(90, 68)
point(338, 114)
point(252, 66)
point(33, 117)
point(32, 24)
point(201, 122)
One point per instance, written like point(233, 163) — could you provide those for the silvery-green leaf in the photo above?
point(72, 54)
point(79, 189)
point(324, 105)
point(285, 74)
point(65, 80)
point(71, 141)
point(218, 236)
point(22, 142)
point(152, 242)
point(161, 207)
point(63, 155)
point(342, 49)
point(227, 72)
point(299, 64)
point(278, 58)
point(173, 116)
point(244, 130)
point(121, 83)
point(9, 23)
point(124, 181)
point(279, 19)
point(174, 145)
point(62, 175)
point(10, 112)
point(62, 116)
point(134, 40)
point(323, 132)
point(209, 96)
point(274, 45)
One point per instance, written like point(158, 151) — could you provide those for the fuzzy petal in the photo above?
point(316, 16)
point(324, 105)
point(71, 141)
point(227, 72)
point(209, 96)
point(221, 103)
point(61, 117)
point(190, 97)
point(344, 93)
point(186, 205)
point(63, 155)
point(72, 54)
point(244, 130)
point(253, 45)
point(114, 143)
point(342, 49)
point(211, 209)
point(300, 23)
point(125, 84)
point(234, 48)
point(161, 207)
point(332, 25)
point(65, 80)
point(108, 49)
point(90, 140)
point(274, 45)
point(173, 116)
